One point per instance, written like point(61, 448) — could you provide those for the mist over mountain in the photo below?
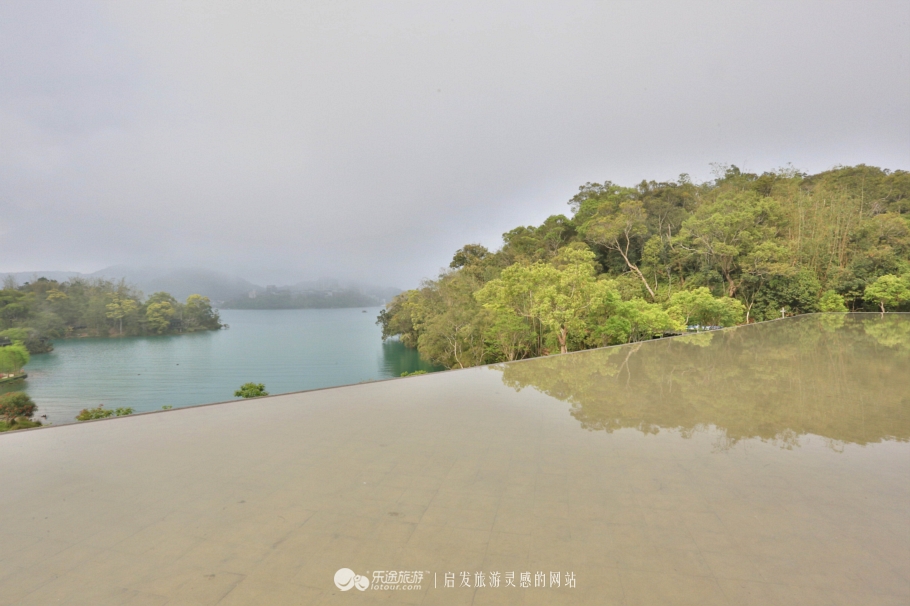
point(21, 277)
point(182, 282)
point(382, 293)
point(315, 294)
point(218, 286)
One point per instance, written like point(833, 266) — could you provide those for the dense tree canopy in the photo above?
point(47, 309)
point(632, 263)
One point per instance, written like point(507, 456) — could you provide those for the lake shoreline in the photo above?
point(297, 350)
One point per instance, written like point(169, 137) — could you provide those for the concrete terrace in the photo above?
point(762, 465)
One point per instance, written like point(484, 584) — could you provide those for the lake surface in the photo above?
point(288, 350)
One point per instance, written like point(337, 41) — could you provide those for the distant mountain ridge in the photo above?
point(181, 283)
point(225, 290)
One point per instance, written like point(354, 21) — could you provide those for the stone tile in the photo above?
point(758, 592)
point(188, 586)
point(646, 588)
point(726, 565)
point(253, 591)
point(470, 519)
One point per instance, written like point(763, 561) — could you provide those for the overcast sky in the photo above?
point(369, 140)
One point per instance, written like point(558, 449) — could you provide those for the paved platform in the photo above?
point(763, 465)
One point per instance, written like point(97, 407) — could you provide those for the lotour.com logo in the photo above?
point(346, 578)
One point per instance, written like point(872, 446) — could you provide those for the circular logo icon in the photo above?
point(346, 578)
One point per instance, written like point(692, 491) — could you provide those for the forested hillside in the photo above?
point(634, 263)
point(48, 309)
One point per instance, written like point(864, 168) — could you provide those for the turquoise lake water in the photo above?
point(288, 350)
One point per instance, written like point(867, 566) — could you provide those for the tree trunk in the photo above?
point(562, 336)
point(731, 283)
point(634, 268)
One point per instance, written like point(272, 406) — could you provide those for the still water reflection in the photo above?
point(843, 377)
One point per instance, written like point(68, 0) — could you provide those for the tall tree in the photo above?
point(889, 291)
point(618, 227)
point(119, 308)
point(724, 231)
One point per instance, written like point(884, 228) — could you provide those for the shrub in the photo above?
point(411, 374)
point(831, 301)
point(90, 414)
point(251, 390)
point(16, 405)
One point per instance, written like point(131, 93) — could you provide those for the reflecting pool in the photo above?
point(766, 464)
point(842, 378)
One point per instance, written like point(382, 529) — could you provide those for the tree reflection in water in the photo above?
point(843, 377)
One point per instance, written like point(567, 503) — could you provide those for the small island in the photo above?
point(33, 314)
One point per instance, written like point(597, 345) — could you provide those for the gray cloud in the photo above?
point(286, 141)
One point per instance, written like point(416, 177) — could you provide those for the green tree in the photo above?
point(512, 301)
point(14, 311)
point(726, 230)
point(251, 390)
point(700, 307)
point(119, 308)
point(568, 297)
point(618, 227)
point(635, 320)
point(13, 358)
point(767, 262)
point(398, 318)
point(508, 336)
point(158, 316)
point(794, 290)
point(530, 244)
point(889, 291)
point(29, 337)
point(450, 322)
point(16, 405)
point(199, 315)
point(830, 301)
